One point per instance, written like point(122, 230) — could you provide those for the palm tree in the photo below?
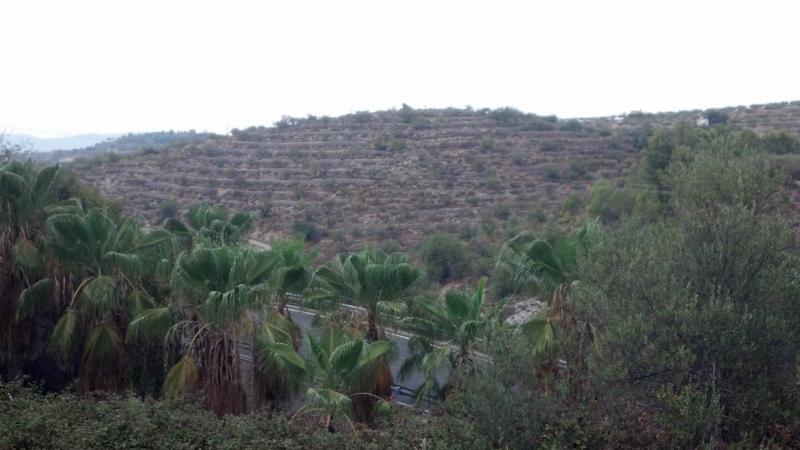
point(373, 281)
point(447, 334)
point(347, 372)
point(215, 226)
point(27, 274)
point(217, 304)
point(370, 279)
point(101, 256)
point(291, 272)
point(551, 266)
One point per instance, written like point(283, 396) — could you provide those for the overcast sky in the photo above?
point(70, 67)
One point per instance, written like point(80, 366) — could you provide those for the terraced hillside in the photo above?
point(397, 175)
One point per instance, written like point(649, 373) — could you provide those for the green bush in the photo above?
point(444, 256)
point(306, 228)
point(698, 309)
point(507, 116)
point(29, 419)
point(780, 143)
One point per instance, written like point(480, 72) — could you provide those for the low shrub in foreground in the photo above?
point(30, 419)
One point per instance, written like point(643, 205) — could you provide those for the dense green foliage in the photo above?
point(31, 420)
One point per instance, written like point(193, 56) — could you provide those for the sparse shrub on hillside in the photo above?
point(362, 117)
point(512, 226)
point(313, 169)
point(397, 145)
point(421, 123)
point(487, 144)
point(408, 114)
point(615, 141)
point(169, 209)
point(537, 215)
point(507, 116)
point(577, 168)
point(265, 209)
point(572, 205)
point(488, 225)
point(381, 142)
point(502, 211)
point(551, 172)
point(306, 228)
point(444, 257)
point(538, 123)
point(493, 182)
point(572, 125)
point(551, 146)
point(286, 122)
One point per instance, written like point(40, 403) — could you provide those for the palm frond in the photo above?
point(128, 264)
point(69, 206)
point(36, 299)
point(335, 403)
point(457, 304)
point(14, 187)
point(104, 354)
point(391, 308)
point(289, 358)
point(151, 323)
point(155, 239)
point(65, 338)
point(435, 360)
point(68, 229)
point(182, 378)
point(541, 335)
point(346, 356)
point(44, 180)
point(375, 351)
point(99, 296)
point(25, 253)
point(138, 301)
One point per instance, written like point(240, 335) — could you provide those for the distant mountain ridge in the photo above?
point(126, 143)
point(36, 144)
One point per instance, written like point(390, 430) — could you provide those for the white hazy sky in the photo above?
point(71, 67)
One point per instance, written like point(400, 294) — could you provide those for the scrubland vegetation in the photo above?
point(669, 316)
